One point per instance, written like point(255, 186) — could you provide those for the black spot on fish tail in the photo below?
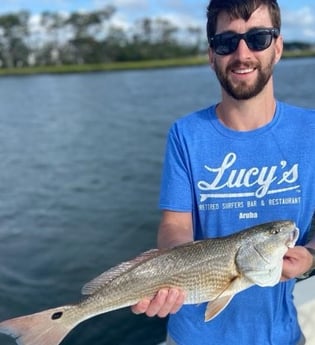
point(57, 315)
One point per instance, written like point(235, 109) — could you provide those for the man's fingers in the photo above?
point(179, 302)
point(174, 301)
point(157, 303)
point(141, 307)
point(167, 301)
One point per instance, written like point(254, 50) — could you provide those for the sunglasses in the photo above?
point(256, 40)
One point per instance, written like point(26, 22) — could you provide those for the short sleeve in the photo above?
point(176, 190)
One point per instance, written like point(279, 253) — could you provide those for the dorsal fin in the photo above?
point(114, 272)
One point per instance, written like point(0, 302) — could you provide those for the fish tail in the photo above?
point(48, 327)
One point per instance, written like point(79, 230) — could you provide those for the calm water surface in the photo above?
point(80, 162)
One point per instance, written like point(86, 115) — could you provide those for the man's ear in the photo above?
point(211, 57)
point(278, 48)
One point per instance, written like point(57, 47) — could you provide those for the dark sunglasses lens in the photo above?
point(225, 44)
point(259, 40)
point(256, 40)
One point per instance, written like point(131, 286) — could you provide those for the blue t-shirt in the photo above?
point(231, 180)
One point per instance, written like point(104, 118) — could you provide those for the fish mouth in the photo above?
point(293, 237)
point(290, 243)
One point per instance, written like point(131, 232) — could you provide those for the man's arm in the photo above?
point(175, 228)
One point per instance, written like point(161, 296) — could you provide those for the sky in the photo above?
point(298, 16)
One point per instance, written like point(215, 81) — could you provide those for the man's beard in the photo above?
point(243, 91)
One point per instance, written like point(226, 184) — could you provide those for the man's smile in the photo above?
point(243, 70)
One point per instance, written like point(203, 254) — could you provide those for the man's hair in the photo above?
point(240, 9)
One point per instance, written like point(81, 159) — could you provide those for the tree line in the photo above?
point(91, 38)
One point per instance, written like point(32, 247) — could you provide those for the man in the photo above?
point(245, 161)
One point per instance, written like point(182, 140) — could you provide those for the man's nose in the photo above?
point(242, 50)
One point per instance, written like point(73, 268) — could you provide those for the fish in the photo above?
point(211, 270)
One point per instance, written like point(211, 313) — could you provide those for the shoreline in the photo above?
point(128, 65)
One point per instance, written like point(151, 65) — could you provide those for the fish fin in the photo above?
point(108, 276)
point(43, 328)
point(215, 307)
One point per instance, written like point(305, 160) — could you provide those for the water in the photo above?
point(80, 162)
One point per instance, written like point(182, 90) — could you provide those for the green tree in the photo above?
point(86, 28)
point(53, 24)
point(114, 45)
point(13, 37)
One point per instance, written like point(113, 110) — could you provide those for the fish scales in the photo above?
point(187, 268)
point(211, 270)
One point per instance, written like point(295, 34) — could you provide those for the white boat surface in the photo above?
point(304, 295)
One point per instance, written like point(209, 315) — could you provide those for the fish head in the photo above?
point(260, 255)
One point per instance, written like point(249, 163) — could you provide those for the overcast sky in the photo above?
point(298, 16)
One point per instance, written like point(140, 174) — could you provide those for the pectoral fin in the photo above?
point(214, 308)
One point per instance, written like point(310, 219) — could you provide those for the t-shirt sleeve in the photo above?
point(175, 193)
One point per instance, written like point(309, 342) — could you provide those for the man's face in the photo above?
point(244, 74)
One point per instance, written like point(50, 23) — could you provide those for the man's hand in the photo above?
point(166, 301)
point(296, 261)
